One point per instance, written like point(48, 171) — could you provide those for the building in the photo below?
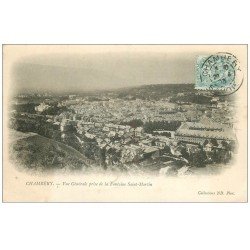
point(199, 132)
point(42, 107)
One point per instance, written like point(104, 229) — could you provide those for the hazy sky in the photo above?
point(80, 72)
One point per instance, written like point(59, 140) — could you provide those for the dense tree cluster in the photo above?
point(134, 123)
point(25, 108)
point(151, 126)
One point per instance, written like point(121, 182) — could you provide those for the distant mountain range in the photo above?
point(175, 87)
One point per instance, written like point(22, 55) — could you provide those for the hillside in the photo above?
point(37, 152)
point(172, 92)
point(156, 91)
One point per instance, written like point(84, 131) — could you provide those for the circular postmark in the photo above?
point(221, 73)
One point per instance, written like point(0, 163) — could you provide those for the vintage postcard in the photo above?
point(125, 123)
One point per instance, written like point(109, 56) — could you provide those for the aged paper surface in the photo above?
point(125, 123)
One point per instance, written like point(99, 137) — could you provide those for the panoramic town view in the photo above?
point(160, 129)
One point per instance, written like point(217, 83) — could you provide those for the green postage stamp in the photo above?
point(220, 73)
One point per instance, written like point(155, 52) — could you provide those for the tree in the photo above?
point(198, 158)
point(134, 123)
point(205, 142)
point(214, 142)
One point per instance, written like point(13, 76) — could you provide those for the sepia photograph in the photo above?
point(125, 123)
